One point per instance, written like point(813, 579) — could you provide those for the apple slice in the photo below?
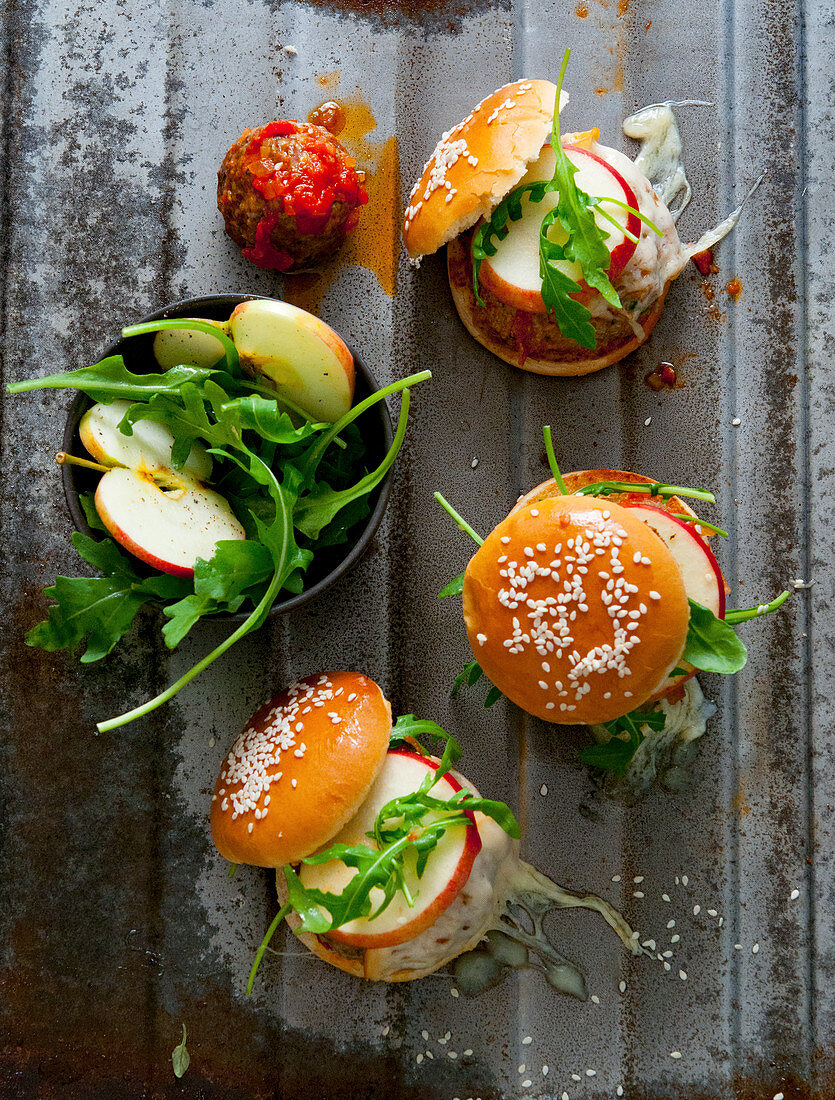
point(513, 273)
point(703, 580)
point(297, 353)
point(149, 447)
point(164, 519)
point(445, 874)
point(174, 347)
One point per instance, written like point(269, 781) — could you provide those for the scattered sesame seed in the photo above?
point(527, 1041)
point(527, 1084)
point(667, 955)
point(778, 1096)
point(736, 421)
point(543, 790)
point(622, 986)
point(737, 947)
point(665, 897)
point(675, 1053)
point(755, 949)
point(696, 910)
point(712, 913)
point(685, 881)
point(675, 938)
point(419, 1058)
point(683, 975)
point(576, 1077)
point(453, 992)
point(474, 462)
point(291, 50)
point(619, 1090)
point(671, 924)
point(591, 1073)
point(667, 966)
point(615, 878)
point(638, 879)
point(637, 893)
point(794, 895)
point(648, 421)
point(451, 1054)
point(468, 1052)
point(522, 1068)
point(424, 1035)
point(650, 944)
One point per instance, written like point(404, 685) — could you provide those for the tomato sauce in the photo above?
point(308, 182)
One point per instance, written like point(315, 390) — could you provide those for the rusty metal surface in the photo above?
point(118, 921)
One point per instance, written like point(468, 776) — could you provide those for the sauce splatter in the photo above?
point(329, 80)
point(733, 288)
point(708, 290)
point(663, 377)
point(623, 8)
point(582, 10)
point(375, 243)
point(330, 115)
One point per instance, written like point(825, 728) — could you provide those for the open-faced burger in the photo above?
point(289, 192)
point(559, 252)
point(390, 864)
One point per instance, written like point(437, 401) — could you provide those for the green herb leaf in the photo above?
point(99, 610)
point(470, 674)
point(712, 645)
point(454, 588)
point(180, 1058)
point(656, 489)
point(742, 615)
point(615, 755)
point(110, 380)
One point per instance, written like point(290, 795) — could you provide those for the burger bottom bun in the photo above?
point(477, 323)
point(580, 478)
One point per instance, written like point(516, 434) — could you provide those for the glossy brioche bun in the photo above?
point(568, 359)
point(478, 162)
point(521, 653)
point(301, 769)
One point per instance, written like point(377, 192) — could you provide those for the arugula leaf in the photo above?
point(615, 755)
point(88, 505)
point(317, 509)
point(656, 489)
point(743, 614)
point(220, 584)
point(263, 415)
point(99, 610)
point(712, 645)
point(110, 380)
point(180, 1057)
point(470, 674)
point(572, 317)
point(454, 588)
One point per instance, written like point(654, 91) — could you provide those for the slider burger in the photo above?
point(559, 252)
point(598, 596)
point(390, 864)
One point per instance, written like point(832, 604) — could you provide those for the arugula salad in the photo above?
point(297, 489)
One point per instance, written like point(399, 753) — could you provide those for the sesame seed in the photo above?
point(468, 1052)
point(622, 986)
point(683, 975)
point(755, 949)
point(736, 421)
point(591, 1073)
point(637, 893)
point(685, 881)
point(650, 944)
point(522, 1068)
point(638, 879)
point(794, 895)
point(527, 1084)
point(675, 1053)
point(595, 999)
point(648, 421)
point(712, 913)
point(778, 1096)
point(675, 938)
point(576, 1077)
point(671, 924)
point(543, 790)
point(454, 993)
point(419, 1059)
point(696, 910)
point(665, 897)
point(619, 1090)
point(527, 1040)
point(737, 947)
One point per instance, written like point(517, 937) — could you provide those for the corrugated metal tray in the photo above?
point(118, 921)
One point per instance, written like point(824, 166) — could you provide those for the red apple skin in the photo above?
point(691, 529)
point(531, 300)
point(134, 548)
point(424, 920)
point(623, 253)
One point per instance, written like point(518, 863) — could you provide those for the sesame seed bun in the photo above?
point(575, 666)
point(301, 769)
point(478, 162)
point(565, 357)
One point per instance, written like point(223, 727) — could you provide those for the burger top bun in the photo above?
point(478, 162)
point(301, 769)
point(575, 609)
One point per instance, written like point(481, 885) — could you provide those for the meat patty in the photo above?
point(289, 192)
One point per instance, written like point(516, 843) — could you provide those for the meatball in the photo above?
point(289, 192)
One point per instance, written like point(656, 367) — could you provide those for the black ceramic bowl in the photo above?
point(330, 564)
